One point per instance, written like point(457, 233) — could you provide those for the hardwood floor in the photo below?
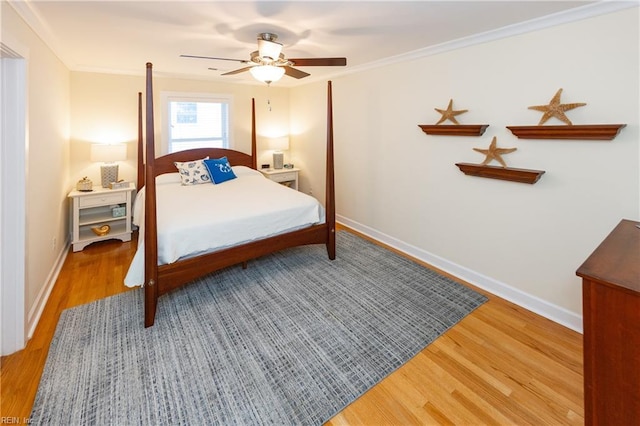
point(500, 365)
point(86, 276)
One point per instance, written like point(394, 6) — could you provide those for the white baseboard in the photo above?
point(43, 296)
point(541, 307)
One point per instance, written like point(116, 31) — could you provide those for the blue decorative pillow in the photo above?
point(219, 170)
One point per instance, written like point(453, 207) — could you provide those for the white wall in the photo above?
point(522, 241)
point(47, 162)
point(104, 108)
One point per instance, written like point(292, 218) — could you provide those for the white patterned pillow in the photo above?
point(193, 172)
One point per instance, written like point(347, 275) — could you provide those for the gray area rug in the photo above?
point(291, 340)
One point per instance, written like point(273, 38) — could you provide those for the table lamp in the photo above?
point(108, 154)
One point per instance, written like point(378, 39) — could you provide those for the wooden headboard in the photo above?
point(164, 164)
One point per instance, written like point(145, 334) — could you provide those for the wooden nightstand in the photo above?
point(288, 177)
point(95, 209)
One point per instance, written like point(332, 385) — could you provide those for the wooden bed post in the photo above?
point(254, 154)
point(150, 223)
point(140, 145)
point(330, 196)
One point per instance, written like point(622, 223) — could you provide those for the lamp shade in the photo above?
point(108, 153)
point(267, 73)
point(279, 144)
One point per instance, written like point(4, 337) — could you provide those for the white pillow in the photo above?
point(193, 172)
point(245, 171)
point(167, 178)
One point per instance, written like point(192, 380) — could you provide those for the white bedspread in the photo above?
point(202, 218)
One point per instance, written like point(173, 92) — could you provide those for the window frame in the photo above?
point(167, 97)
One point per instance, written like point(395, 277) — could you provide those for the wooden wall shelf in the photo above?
point(454, 129)
point(585, 131)
point(504, 173)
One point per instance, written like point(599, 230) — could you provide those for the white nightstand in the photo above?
point(95, 209)
point(288, 177)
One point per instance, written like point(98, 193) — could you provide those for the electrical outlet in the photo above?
point(54, 243)
point(310, 191)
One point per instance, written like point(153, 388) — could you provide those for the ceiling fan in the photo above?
point(268, 64)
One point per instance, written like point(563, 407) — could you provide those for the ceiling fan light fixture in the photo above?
point(268, 63)
point(267, 73)
point(269, 51)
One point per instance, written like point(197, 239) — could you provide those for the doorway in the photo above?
point(13, 129)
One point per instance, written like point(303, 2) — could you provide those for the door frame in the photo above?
point(13, 179)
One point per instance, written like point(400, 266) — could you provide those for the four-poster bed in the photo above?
point(161, 278)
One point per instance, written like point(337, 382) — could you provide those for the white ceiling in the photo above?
point(121, 36)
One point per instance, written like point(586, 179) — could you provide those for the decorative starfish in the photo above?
point(556, 109)
point(449, 113)
point(494, 153)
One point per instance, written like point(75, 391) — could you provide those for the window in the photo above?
point(195, 121)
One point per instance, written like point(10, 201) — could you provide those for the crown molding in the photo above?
point(34, 20)
point(584, 12)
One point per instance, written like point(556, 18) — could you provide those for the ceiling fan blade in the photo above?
point(319, 62)
point(292, 72)
point(244, 61)
point(238, 71)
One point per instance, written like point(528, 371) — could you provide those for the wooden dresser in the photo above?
point(611, 318)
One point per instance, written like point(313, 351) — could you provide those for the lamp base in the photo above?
point(108, 174)
point(278, 160)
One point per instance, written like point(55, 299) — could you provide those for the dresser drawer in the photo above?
point(102, 199)
point(283, 177)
